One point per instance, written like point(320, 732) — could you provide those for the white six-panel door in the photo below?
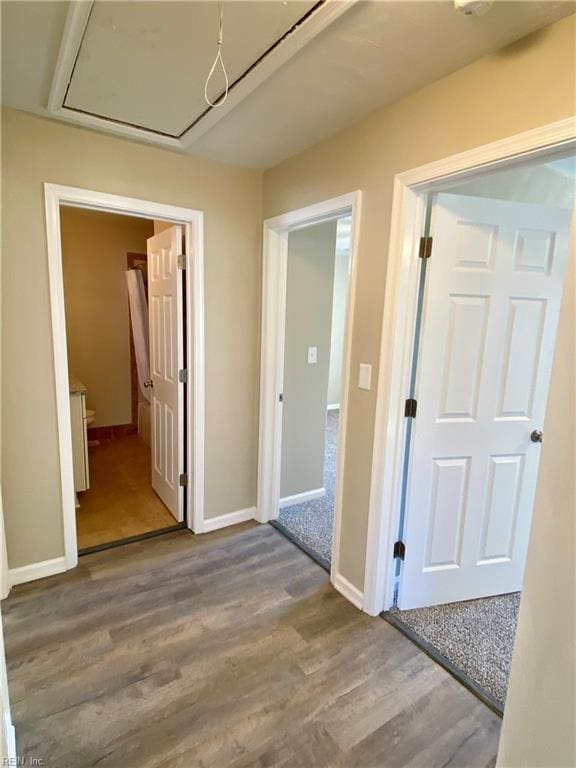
point(166, 359)
point(492, 296)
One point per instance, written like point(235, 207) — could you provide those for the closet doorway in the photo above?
point(127, 317)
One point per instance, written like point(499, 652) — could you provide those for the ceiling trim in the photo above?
point(75, 28)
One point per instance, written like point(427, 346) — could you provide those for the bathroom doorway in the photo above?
point(111, 272)
point(127, 316)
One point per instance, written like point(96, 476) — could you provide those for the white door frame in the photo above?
point(275, 253)
point(407, 226)
point(55, 196)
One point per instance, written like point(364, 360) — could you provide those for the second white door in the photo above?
point(166, 360)
point(491, 305)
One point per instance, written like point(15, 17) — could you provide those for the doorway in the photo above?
point(316, 290)
point(307, 363)
point(125, 461)
point(494, 254)
point(174, 260)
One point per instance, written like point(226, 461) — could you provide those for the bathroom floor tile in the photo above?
point(121, 502)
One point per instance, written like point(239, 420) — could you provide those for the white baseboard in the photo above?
point(4, 582)
point(333, 407)
point(302, 498)
point(10, 739)
point(36, 571)
point(232, 518)
point(349, 591)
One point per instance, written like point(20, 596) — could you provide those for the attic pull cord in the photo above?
point(218, 58)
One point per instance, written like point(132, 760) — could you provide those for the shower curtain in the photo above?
point(139, 319)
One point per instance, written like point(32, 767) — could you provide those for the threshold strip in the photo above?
point(133, 539)
point(485, 697)
point(321, 561)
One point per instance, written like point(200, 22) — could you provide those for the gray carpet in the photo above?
point(311, 523)
point(477, 636)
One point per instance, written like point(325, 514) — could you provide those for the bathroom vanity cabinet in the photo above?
point(79, 436)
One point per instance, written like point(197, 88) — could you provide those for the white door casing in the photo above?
point(491, 305)
point(166, 359)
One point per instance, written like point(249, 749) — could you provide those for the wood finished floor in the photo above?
point(225, 650)
point(121, 502)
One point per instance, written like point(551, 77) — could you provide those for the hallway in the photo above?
point(226, 649)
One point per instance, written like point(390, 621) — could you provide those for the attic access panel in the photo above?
point(144, 64)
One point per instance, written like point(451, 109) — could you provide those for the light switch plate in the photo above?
point(312, 355)
point(364, 376)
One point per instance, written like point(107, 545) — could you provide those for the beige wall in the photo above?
point(310, 285)
point(539, 721)
point(35, 151)
point(521, 87)
point(94, 248)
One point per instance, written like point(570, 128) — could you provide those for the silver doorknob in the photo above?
point(536, 436)
point(149, 384)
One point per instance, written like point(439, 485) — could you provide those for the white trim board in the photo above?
point(55, 196)
point(333, 407)
point(302, 498)
point(7, 731)
point(76, 24)
point(10, 738)
point(349, 591)
point(231, 518)
point(274, 270)
point(402, 275)
point(39, 570)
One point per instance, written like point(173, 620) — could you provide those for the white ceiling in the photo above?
point(145, 63)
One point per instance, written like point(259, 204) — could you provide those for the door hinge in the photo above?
point(183, 479)
point(425, 250)
point(181, 261)
point(399, 549)
point(410, 408)
point(183, 375)
point(281, 397)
